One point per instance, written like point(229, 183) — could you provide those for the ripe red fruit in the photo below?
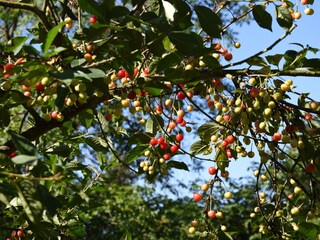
point(276, 137)
point(93, 19)
point(224, 143)
point(153, 142)
point(164, 145)
point(308, 116)
point(228, 56)
point(227, 117)
point(132, 95)
point(20, 233)
point(223, 51)
point(211, 214)
point(230, 139)
point(179, 120)
point(54, 114)
point(19, 61)
point(212, 170)
point(217, 82)
point(39, 87)
point(179, 137)
point(304, 2)
point(310, 168)
point(160, 140)
point(190, 94)
point(166, 156)
point(121, 73)
point(181, 96)
point(159, 108)
point(197, 197)
point(13, 154)
point(8, 67)
point(254, 92)
point(174, 148)
point(108, 116)
point(146, 71)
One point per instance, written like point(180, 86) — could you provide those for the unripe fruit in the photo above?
point(296, 15)
point(205, 187)
point(297, 190)
point(219, 215)
point(60, 117)
point(237, 45)
point(192, 230)
point(88, 57)
point(295, 210)
point(223, 228)
point(263, 177)
point(47, 117)
point(227, 195)
point(308, 11)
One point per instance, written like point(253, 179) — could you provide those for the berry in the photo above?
point(153, 142)
point(181, 96)
point(132, 95)
point(212, 170)
point(164, 145)
point(93, 19)
point(179, 120)
point(230, 139)
point(20, 233)
point(224, 143)
point(121, 73)
point(276, 137)
point(211, 214)
point(39, 87)
point(310, 168)
point(8, 67)
point(160, 140)
point(197, 197)
point(254, 92)
point(166, 156)
point(228, 56)
point(227, 195)
point(54, 114)
point(179, 137)
point(174, 148)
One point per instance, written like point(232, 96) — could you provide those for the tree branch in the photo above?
point(28, 7)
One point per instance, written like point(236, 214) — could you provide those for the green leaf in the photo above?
point(126, 236)
point(209, 21)
point(16, 44)
point(206, 130)
point(56, 51)
point(77, 230)
point(284, 17)
point(257, 61)
point(23, 145)
point(177, 165)
point(274, 59)
point(136, 152)
point(262, 17)
point(62, 92)
point(86, 118)
point(4, 117)
point(24, 159)
point(222, 159)
point(92, 7)
point(152, 125)
point(187, 43)
point(97, 143)
point(199, 147)
point(77, 62)
point(51, 36)
point(309, 230)
point(118, 11)
point(169, 60)
point(155, 88)
point(313, 63)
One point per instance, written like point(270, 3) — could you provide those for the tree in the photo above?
point(103, 77)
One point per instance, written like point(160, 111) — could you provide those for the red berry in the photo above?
point(20, 233)
point(181, 96)
point(132, 95)
point(211, 214)
point(146, 71)
point(93, 19)
point(230, 139)
point(179, 137)
point(310, 168)
point(160, 140)
point(254, 92)
point(190, 94)
point(197, 197)
point(224, 143)
point(276, 137)
point(166, 156)
point(159, 108)
point(121, 73)
point(212, 170)
point(164, 145)
point(228, 56)
point(153, 142)
point(179, 120)
point(13, 154)
point(8, 67)
point(19, 61)
point(39, 87)
point(54, 114)
point(174, 148)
